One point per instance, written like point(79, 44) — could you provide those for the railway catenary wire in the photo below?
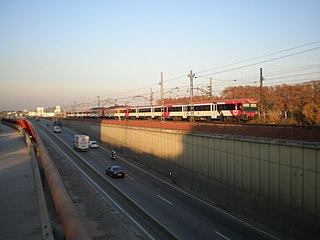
point(263, 56)
point(226, 82)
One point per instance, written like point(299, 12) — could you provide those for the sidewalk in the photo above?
point(19, 211)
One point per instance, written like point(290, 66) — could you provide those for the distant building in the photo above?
point(32, 114)
point(57, 110)
point(40, 111)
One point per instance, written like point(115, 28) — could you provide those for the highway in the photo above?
point(183, 215)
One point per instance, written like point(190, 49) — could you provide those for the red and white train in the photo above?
point(101, 112)
point(224, 110)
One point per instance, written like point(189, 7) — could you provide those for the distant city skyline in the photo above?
point(76, 52)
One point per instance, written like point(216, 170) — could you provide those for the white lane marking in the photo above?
point(221, 235)
point(164, 199)
point(130, 177)
point(93, 182)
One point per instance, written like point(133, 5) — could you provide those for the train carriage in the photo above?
point(121, 112)
point(203, 111)
point(224, 110)
point(177, 112)
point(239, 109)
point(151, 112)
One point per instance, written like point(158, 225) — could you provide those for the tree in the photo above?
point(240, 92)
point(311, 112)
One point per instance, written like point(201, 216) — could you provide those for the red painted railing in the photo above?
point(23, 124)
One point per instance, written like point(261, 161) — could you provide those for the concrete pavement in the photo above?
point(19, 206)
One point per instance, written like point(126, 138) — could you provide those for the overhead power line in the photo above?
point(257, 63)
point(263, 56)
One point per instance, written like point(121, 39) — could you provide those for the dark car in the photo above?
point(115, 171)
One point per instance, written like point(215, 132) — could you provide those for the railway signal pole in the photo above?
point(261, 94)
point(162, 97)
point(210, 89)
point(98, 101)
point(162, 92)
point(151, 97)
point(191, 76)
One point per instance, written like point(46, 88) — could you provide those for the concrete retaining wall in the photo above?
point(277, 183)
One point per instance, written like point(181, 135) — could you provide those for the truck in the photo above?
point(81, 142)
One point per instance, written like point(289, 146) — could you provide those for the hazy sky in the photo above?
point(61, 52)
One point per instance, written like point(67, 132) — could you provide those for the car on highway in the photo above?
point(57, 129)
point(93, 144)
point(115, 171)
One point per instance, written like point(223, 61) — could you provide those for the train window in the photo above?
point(254, 106)
point(158, 109)
point(250, 107)
point(143, 110)
point(202, 108)
point(175, 109)
point(230, 106)
point(226, 107)
point(132, 110)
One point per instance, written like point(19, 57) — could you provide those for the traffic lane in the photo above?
point(143, 192)
point(67, 136)
point(177, 211)
point(183, 219)
point(213, 216)
point(175, 218)
point(169, 212)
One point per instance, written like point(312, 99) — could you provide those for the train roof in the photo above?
point(242, 100)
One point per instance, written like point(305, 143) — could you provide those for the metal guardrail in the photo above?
point(46, 230)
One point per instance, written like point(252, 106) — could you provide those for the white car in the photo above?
point(57, 129)
point(93, 144)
